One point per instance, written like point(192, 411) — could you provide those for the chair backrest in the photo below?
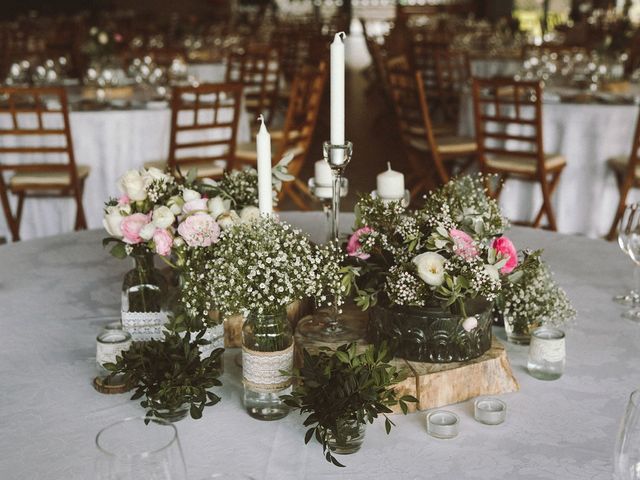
point(508, 119)
point(412, 112)
point(453, 74)
point(302, 115)
point(204, 124)
point(34, 123)
point(634, 157)
point(257, 68)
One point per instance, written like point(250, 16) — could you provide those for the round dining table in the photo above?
point(56, 293)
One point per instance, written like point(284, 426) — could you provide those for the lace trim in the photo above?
point(261, 370)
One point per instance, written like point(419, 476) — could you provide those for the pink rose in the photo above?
point(505, 247)
point(163, 241)
point(199, 230)
point(463, 245)
point(131, 227)
point(354, 247)
point(195, 205)
point(124, 200)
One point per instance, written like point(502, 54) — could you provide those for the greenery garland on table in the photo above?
point(344, 386)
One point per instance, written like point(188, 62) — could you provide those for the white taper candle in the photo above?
point(337, 89)
point(265, 188)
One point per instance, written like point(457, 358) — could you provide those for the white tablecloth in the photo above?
point(110, 142)
point(492, 67)
point(53, 291)
point(586, 134)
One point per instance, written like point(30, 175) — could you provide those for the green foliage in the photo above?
point(342, 385)
point(169, 373)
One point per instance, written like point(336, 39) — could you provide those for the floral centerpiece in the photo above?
point(257, 269)
point(432, 276)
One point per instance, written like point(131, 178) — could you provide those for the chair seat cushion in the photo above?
point(204, 169)
point(448, 145)
point(522, 165)
point(47, 178)
point(620, 164)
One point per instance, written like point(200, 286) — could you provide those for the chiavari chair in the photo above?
point(204, 126)
point(433, 158)
point(29, 116)
point(627, 172)
point(295, 138)
point(508, 124)
point(453, 75)
point(257, 68)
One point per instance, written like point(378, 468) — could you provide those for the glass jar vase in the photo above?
point(267, 351)
point(518, 331)
point(144, 299)
point(348, 439)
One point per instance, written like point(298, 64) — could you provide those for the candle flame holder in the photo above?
point(325, 324)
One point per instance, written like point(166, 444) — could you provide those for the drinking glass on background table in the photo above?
point(632, 295)
point(626, 458)
point(132, 450)
point(630, 226)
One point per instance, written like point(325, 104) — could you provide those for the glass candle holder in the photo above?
point(442, 424)
point(490, 411)
point(547, 353)
point(109, 344)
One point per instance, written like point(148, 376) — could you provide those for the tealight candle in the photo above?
point(322, 174)
point(390, 184)
point(490, 411)
point(546, 353)
point(442, 424)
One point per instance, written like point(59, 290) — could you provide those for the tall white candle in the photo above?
point(337, 89)
point(390, 184)
point(263, 144)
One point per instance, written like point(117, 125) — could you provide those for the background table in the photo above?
point(56, 293)
point(587, 135)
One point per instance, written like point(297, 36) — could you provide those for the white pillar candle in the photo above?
point(322, 177)
point(390, 184)
point(263, 144)
point(337, 89)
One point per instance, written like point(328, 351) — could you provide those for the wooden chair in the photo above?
point(420, 139)
point(508, 124)
point(31, 114)
point(204, 126)
point(300, 121)
point(257, 68)
point(627, 172)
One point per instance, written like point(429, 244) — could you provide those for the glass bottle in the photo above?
point(267, 351)
point(144, 299)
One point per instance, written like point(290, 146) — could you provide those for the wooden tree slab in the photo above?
point(436, 384)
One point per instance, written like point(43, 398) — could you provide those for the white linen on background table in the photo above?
point(586, 135)
point(495, 67)
point(53, 291)
point(110, 142)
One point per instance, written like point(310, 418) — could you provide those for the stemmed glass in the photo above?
point(632, 296)
point(626, 456)
point(139, 448)
point(630, 227)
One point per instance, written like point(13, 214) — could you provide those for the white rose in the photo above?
point(470, 323)
point(175, 205)
point(492, 271)
point(163, 217)
point(132, 185)
point(146, 233)
point(217, 206)
point(112, 220)
point(103, 38)
point(153, 173)
point(430, 267)
point(228, 219)
point(249, 214)
point(189, 195)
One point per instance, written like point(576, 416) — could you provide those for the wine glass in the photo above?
point(626, 456)
point(631, 296)
point(631, 228)
point(139, 448)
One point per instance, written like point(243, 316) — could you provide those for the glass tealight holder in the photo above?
point(442, 424)
point(110, 344)
point(490, 411)
point(547, 354)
